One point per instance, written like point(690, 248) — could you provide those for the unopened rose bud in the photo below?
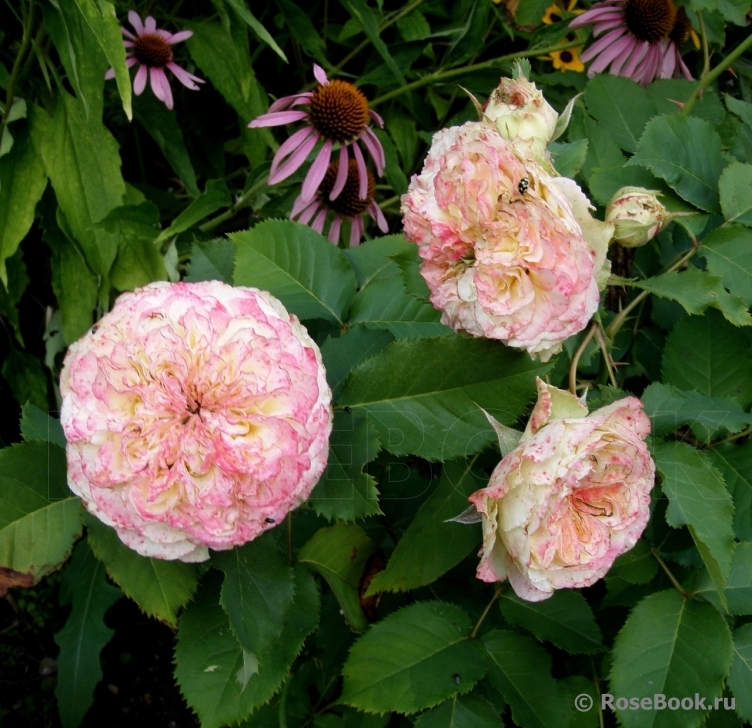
point(520, 113)
point(637, 216)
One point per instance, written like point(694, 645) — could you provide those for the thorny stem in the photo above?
point(243, 200)
point(730, 438)
point(606, 355)
point(497, 593)
point(25, 43)
point(668, 573)
point(576, 358)
point(444, 75)
point(714, 73)
point(616, 324)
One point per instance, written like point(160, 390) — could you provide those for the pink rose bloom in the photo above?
point(197, 415)
point(509, 252)
point(569, 499)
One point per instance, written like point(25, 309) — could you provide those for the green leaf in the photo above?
point(240, 7)
point(36, 424)
point(740, 108)
point(735, 463)
point(215, 197)
point(695, 290)
point(39, 520)
point(83, 636)
point(101, 18)
point(740, 678)
point(26, 377)
point(22, 182)
point(621, 106)
point(686, 152)
point(667, 92)
point(257, 592)
point(728, 251)
point(521, 672)
point(368, 21)
point(343, 354)
point(303, 269)
point(212, 261)
point(372, 261)
point(698, 499)
point(669, 409)
point(160, 588)
point(345, 492)
point(710, 355)
point(211, 666)
point(671, 646)
point(339, 553)
point(461, 711)
point(569, 158)
point(83, 163)
point(162, 126)
point(413, 659)
point(637, 566)
point(566, 620)
point(138, 259)
point(441, 545)
point(735, 188)
point(10, 297)
point(738, 589)
point(303, 29)
point(423, 396)
point(386, 304)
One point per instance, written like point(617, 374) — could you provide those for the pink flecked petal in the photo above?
point(373, 145)
point(602, 44)
point(378, 215)
point(317, 171)
point(150, 25)
point(161, 86)
point(187, 79)
point(309, 212)
point(180, 36)
point(356, 231)
point(139, 82)
point(362, 171)
point(341, 178)
point(277, 118)
point(333, 236)
point(376, 118)
point(110, 74)
point(290, 145)
point(295, 160)
point(320, 74)
point(135, 21)
point(318, 223)
point(127, 33)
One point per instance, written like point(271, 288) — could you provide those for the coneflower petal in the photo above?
point(602, 44)
point(277, 118)
point(161, 86)
point(150, 25)
point(362, 171)
point(289, 146)
point(376, 118)
point(295, 161)
point(601, 27)
point(320, 74)
point(309, 212)
point(669, 61)
point(589, 17)
point(628, 45)
point(127, 33)
point(187, 79)
point(608, 55)
point(378, 215)
point(356, 231)
point(634, 59)
point(139, 82)
point(180, 37)
point(341, 178)
point(287, 102)
point(685, 71)
point(318, 223)
point(317, 171)
point(375, 149)
point(135, 21)
point(334, 230)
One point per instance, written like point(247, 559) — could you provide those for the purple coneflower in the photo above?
point(338, 113)
point(348, 204)
point(151, 47)
point(641, 41)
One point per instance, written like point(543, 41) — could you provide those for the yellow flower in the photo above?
point(554, 13)
point(567, 60)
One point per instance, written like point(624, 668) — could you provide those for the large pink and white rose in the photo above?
point(197, 415)
point(569, 499)
point(509, 252)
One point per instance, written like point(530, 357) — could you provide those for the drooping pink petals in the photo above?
point(197, 415)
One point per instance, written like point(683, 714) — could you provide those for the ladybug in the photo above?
point(523, 185)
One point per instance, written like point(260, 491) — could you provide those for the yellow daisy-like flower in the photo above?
point(554, 13)
point(567, 60)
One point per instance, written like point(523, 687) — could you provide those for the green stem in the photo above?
point(731, 438)
point(25, 44)
point(704, 39)
point(482, 618)
point(576, 358)
point(283, 702)
point(606, 356)
point(444, 75)
point(616, 324)
point(712, 75)
point(668, 573)
point(243, 200)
